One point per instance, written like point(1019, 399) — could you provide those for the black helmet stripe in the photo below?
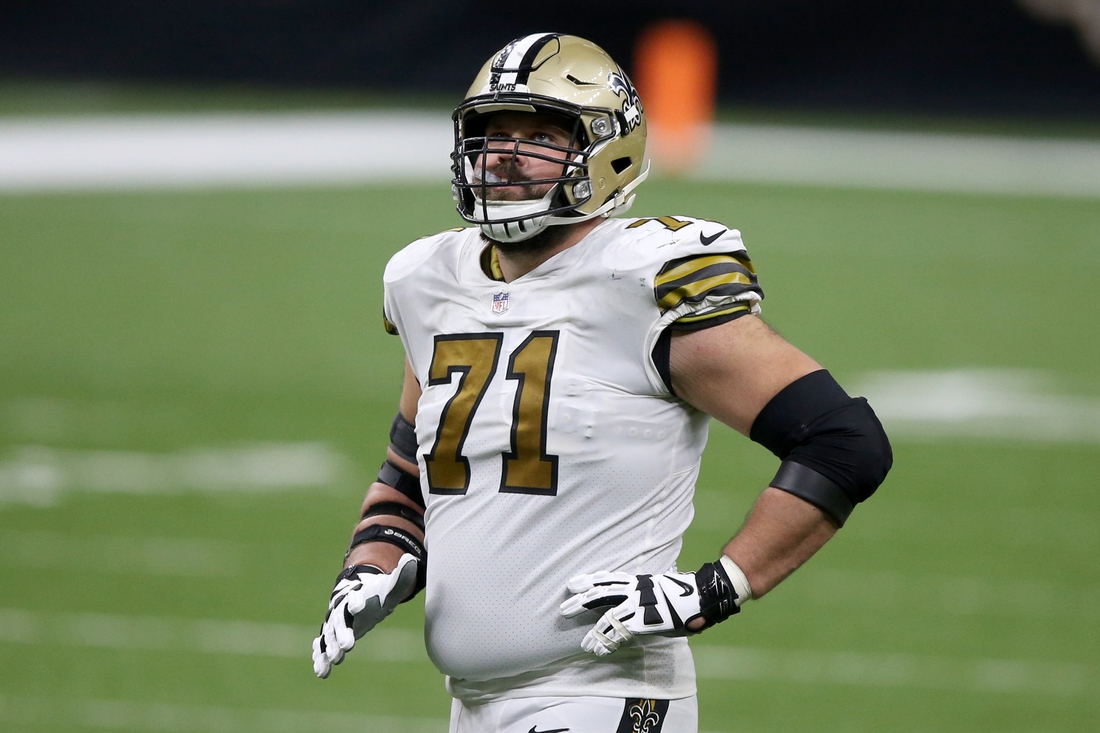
point(516, 66)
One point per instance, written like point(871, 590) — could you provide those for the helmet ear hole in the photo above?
point(620, 164)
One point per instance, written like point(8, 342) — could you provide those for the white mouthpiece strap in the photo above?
point(737, 577)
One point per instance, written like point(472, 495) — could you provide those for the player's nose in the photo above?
point(498, 160)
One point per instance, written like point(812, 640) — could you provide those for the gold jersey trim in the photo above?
point(388, 325)
point(696, 277)
point(490, 263)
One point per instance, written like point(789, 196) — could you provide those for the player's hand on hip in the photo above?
point(659, 603)
point(363, 596)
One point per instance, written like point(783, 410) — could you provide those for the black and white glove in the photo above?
point(363, 596)
point(655, 604)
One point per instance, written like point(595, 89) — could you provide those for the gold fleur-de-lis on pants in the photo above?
point(645, 717)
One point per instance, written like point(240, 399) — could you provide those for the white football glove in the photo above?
point(654, 604)
point(363, 596)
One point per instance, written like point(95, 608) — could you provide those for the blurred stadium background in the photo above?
point(197, 200)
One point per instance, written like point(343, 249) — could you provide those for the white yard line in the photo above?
point(713, 662)
point(212, 636)
point(205, 150)
point(40, 475)
point(168, 556)
point(221, 150)
point(1000, 404)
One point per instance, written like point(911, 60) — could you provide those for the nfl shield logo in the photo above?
point(500, 302)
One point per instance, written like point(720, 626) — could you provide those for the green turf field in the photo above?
point(153, 577)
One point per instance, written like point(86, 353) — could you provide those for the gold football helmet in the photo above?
point(576, 82)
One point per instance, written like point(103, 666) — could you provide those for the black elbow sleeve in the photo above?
point(834, 450)
point(403, 438)
point(403, 444)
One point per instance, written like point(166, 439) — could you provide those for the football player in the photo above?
point(562, 368)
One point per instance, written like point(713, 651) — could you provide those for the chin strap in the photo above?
point(517, 231)
point(512, 231)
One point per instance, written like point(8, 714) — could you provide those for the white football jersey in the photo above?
point(550, 445)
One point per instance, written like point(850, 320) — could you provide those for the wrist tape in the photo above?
point(737, 577)
point(719, 593)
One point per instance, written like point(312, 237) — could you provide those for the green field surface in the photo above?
point(153, 577)
point(23, 97)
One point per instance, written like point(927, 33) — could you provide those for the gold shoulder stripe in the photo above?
point(674, 297)
point(696, 277)
point(695, 264)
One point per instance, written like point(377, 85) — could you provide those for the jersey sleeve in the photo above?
point(708, 283)
point(389, 326)
point(400, 275)
point(391, 314)
point(395, 283)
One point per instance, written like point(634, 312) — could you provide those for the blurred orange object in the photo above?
point(676, 72)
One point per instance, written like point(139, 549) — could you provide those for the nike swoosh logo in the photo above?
point(688, 590)
point(555, 730)
point(705, 241)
